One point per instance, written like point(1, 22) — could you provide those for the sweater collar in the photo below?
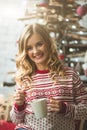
point(42, 71)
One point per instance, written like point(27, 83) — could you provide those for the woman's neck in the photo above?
point(41, 67)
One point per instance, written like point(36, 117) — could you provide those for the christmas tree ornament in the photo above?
point(81, 10)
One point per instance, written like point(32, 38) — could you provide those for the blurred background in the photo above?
point(9, 32)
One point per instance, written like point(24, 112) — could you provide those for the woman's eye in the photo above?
point(40, 43)
point(29, 48)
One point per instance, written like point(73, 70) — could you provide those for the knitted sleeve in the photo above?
point(78, 110)
point(17, 113)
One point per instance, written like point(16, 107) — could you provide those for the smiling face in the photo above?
point(37, 51)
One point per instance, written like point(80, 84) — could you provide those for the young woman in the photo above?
point(40, 74)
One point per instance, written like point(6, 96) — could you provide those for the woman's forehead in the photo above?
point(35, 38)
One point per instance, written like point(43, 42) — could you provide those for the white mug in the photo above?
point(39, 107)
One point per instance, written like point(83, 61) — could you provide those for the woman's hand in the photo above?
point(55, 105)
point(19, 97)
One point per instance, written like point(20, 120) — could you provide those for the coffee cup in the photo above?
point(39, 107)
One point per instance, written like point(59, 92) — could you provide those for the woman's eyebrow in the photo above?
point(39, 41)
point(35, 43)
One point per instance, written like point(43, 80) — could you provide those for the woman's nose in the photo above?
point(34, 50)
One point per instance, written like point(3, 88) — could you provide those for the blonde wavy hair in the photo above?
point(25, 66)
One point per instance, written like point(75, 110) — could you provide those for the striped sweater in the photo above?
point(69, 89)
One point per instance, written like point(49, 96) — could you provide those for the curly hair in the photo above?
point(25, 66)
